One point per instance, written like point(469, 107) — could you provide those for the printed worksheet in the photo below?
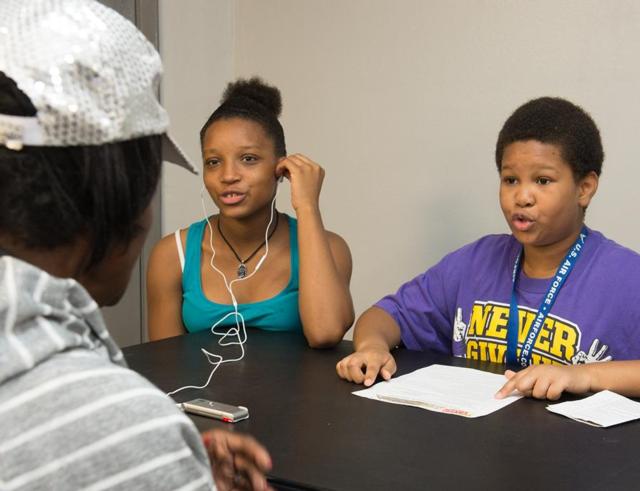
point(453, 390)
point(603, 409)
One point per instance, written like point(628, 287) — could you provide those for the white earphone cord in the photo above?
point(240, 330)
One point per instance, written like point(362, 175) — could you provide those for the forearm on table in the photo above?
point(622, 377)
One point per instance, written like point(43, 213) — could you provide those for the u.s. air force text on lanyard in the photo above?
point(545, 307)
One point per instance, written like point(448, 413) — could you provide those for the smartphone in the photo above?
point(217, 410)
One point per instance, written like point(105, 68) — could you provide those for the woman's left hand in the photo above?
point(306, 180)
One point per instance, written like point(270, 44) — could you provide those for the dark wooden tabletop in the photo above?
point(320, 436)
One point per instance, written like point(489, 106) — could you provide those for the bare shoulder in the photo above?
point(165, 257)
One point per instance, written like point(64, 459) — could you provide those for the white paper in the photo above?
point(452, 390)
point(603, 409)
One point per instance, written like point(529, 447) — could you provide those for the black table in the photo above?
point(322, 437)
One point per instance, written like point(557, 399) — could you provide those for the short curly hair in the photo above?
point(559, 122)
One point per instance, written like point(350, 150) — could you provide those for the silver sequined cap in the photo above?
point(92, 76)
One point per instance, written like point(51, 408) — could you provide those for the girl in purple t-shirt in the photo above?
point(522, 298)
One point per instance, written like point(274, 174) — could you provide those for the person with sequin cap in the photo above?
point(82, 138)
point(282, 273)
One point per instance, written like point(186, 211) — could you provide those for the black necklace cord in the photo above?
point(240, 260)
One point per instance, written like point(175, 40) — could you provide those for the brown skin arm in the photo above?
point(376, 333)
point(164, 290)
point(326, 308)
point(550, 381)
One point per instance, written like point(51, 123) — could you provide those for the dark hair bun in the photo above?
point(255, 90)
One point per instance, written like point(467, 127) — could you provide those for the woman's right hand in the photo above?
point(306, 178)
point(363, 366)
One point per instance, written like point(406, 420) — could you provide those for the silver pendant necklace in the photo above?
point(242, 268)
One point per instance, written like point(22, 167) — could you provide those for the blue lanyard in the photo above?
point(545, 307)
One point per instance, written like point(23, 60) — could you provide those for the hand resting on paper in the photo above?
point(363, 366)
point(550, 381)
point(547, 381)
point(376, 332)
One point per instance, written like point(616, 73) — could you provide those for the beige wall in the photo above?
point(196, 44)
point(401, 102)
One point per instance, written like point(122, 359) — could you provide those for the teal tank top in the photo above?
point(279, 313)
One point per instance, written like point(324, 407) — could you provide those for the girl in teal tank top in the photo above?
point(279, 313)
point(301, 284)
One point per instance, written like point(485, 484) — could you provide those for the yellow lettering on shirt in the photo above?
point(557, 341)
point(480, 315)
point(564, 342)
point(498, 324)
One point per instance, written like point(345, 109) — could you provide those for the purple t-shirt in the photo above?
point(461, 305)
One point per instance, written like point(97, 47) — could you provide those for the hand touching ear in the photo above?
point(306, 180)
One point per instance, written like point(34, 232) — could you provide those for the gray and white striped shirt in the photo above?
point(72, 416)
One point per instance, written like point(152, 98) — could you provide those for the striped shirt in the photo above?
point(72, 415)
